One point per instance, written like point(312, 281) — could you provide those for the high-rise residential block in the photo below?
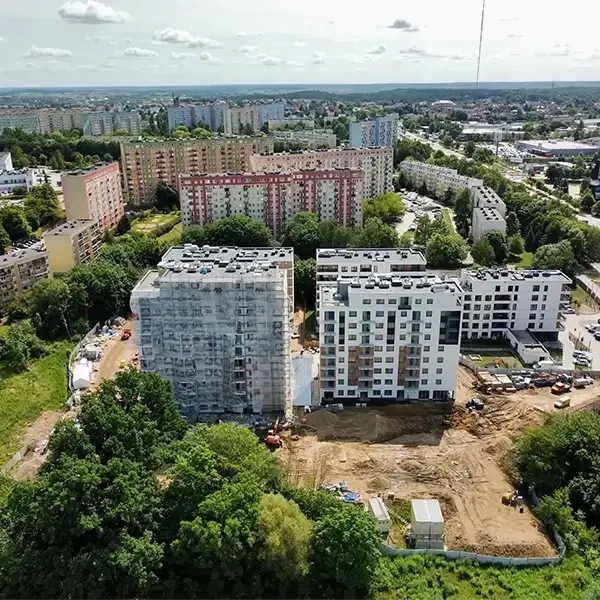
point(94, 193)
point(305, 138)
point(52, 121)
point(108, 122)
point(271, 111)
point(20, 270)
point(145, 163)
point(29, 122)
point(215, 322)
point(391, 337)
point(437, 180)
point(214, 115)
point(489, 211)
point(244, 116)
point(497, 300)
point(379, 132)
point(376, 163)
point(71, 244)
point(272, 198)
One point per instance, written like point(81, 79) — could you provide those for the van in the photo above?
point(544, 364)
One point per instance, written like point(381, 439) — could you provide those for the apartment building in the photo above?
point(20, 270)
point(145, 163)
point(29, 122)
point(486, 197)
point(216, 324)
point(306, 138)
point(271, 111)
point(389, 337)
point(6, 163)
point(272, 198)
point(94, 193)
point(379, 132)
point(306, 123)
point(242, 117)
point(15, 178)
point(377, 164)
point(107, 122)
point(52, 121)
point(485, 220)
point(181, 115)
point(525, 300)
point(437, 180)
point(71, 244)
point(214, 114)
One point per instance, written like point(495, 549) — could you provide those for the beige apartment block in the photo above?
point(94, 193)
point(245, 115)
point(145, 163)
point(52, 121)
point(20, 270)
point(72, 243)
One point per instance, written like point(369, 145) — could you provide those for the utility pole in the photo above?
point(480, 43)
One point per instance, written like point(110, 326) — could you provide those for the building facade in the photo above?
point(6, 163)
point(20, 270)
point(306, 138)
point(389, 337)
point(244, 116)
point(17, 178)
point(486, 219)
point(272, 198)
point(94, 193)
point(499, 300)
point(107, 122)
point(379, 132)
point(271, 111)
point(29, 122)
point(214, 115)
point(145, 163)
point(216, 324)
point(60, 120)
point(437, 180)
point(71, 244)
point(376, 163)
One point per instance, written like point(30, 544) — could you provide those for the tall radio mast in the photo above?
point(480, 43)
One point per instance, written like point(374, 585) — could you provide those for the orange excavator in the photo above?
point(273, 440)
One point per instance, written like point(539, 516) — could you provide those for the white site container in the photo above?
point(378, 509)
point(426, 518)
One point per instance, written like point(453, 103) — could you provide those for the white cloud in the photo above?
point(101, 37)
point(92, 12)
point(249, 49)
point(298, 44)
point(54, 52)
point(404, 25)
point(181, 55)
point(207, 57)
point(172, 36)
point(294, 63)
point(271, 61)
point(241, 34)
point(201, 42)
point(139, 53)
point(380, 49)
point(318, 58)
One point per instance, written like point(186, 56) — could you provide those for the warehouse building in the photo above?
point(557, 148)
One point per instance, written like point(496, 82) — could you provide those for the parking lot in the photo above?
point(575, 324)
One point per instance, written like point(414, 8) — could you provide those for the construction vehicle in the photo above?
point(560, 388)
point(273, 440)
point(126, 334)
point(475, 403)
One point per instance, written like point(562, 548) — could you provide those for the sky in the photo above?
point(210, 42)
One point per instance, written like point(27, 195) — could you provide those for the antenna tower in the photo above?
point(480, 43)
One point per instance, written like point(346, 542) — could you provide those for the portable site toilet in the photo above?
point(427, 524)
point(378, 509)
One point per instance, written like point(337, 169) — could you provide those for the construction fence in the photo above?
point(590, 286)
point(486, 559)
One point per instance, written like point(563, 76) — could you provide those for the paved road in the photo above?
point(576, 325)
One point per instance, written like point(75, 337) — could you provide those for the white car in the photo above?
point(582, 362)
point(569, 311)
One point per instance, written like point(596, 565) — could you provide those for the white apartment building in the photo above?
point(243, 116)
point(437, 180)
point(17, 178)
point(389, 337)
point(272, 198)
point(487, 219)
point(20, 270)
point(379, 132)
point(216, 324)
point(486, 197)
point(60, 120)
point(306, 138)
point(377, 164)
point(501, 299)
point(214, 114)
point(271, 111)
point(107, 122)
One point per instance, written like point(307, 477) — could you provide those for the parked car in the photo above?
point(560, 388)
point(582, 362)
point(569, 311)
point(563, 402)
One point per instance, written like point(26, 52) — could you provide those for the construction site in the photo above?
point(455, 454)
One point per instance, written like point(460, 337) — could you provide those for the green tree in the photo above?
point(238, 231)
point(498, 242)
point(166, 198)
point(302, 234)
point(43, 203)
point(4, 240)
point(376, 234)
point(482, 252)
point(446, 251)
point(587, 201)
point(181, 132)
point(515, 245)
point(556, 256)
point(57, 161)
point(193, 235)
point(201, 133)
point(469, 148)
point(53, 306)
point(14, 222)
point(513, 227)
point(596, 209)
point(463, 209)
point(406, 240)
point(19, 345)
point(387, 208)
point(305, 273)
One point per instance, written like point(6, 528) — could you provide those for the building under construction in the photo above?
point(215, 322)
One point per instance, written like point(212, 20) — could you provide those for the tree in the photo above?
point(482, 252)
point(587, 201)
point(238, 231)
point(377, 234)
point(123, 226)
point(302, 234)
point(4, 240)
point(446, 250)
point(166, 197)
point(53, 306)
point(516, 246)
point(469, 148)
point(181, 132)
point(387, 208)
point(513, 227)
point(406, 240)
point(498, 242)
point(201, 133)
point(305, 272)
point(14, 222)
point(556, 256)
point(19, 345)
point(43, 203)
point(596, 209)
point(463, 209)
point(553, 173)
point(344, 553)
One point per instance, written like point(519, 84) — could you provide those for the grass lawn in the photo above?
point(525, 261)
point(152, 222)
point(447, 217)
point(25, 396)
point(580, 297)
point(171, 237)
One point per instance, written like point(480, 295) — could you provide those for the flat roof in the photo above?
point(554, 145)
point(91, 169)
point(526, 338)
point(227, 253)
point(489, 213)
point(536, 275)
point(72, 227)
point(16, 257)
point(489, 194)
point(334, 256)
point(427, 511)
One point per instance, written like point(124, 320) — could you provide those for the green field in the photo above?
point(25, 396)
point(581, 298)
point(171, 237)
point(152, 222)
point(525, 261)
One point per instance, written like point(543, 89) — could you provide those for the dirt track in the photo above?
point(409, 451)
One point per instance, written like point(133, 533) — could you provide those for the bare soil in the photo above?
point(409, 451)
point(115, 351)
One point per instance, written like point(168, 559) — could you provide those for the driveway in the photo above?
point(407, 221)
point(575, 324)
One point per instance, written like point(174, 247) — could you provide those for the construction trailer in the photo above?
point(427, 524)
point(379, 510)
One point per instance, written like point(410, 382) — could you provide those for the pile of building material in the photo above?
point(343, 492)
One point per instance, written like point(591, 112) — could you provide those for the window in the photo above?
point(440, 359)
point(532, 315)
point(378, 325)
point(423, 381)
point(377, 359)
point(377, 371)
point(543, 307)
point(533, 307)
point(488, 298)
point(439, 371)
point(377, 381)
point(545, 288)
point(428, 325)
point(389, 382)
point(498, 288)
point(536, 288)
point(427, 337)
point(389, 359)
point(341, 359)
point(380, 301)
point(352, 337)
point(367, 301)
point(403, 313)
point(387, 392)
point(535, 297)
point(426, 359)
point(379, 337)
point(486, 317)
point(418, 301)
point(340, 382)
point(425, 371)
point(477, 298)
point(353, 313)
point(438, 382)
point(379, 313)
point(530, 325)
point(477, 307)
point(429, 300)
point(429, 313)
point(392, 301)
point(340, 371)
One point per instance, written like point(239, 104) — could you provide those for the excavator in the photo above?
point(273, 440)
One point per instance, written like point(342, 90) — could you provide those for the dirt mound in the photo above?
point(511, 550)
point(378, 484)
point(412, 465)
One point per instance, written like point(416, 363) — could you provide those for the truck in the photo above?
point(581, 382)
point(379, 510)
